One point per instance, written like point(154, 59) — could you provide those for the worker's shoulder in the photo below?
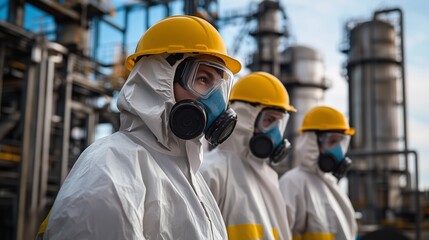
point(114, 142)
point(215, 159)
point(294, 172)
point(112, 156)
point(116, 149)
point(296, 175)
point(216, 155)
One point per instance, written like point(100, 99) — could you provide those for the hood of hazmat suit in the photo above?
point(142, 182)
point(316, 207)
point(245, 187)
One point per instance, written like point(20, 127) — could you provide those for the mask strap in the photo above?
point(173, 58)
point(179, 75)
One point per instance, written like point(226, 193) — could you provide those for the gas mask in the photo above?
point(268, 140)
point(333, 147)
point(211, 83)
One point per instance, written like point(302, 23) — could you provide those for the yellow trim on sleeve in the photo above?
point(276, 234)
point(314, 236)
point(44, 224)
point(245, 232)
point(297, 237)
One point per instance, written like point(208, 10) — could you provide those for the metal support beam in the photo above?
point(124, 35)
point(15, 31)
point(113, 25)
point(402, 65)
point(44, 167)
point(67, 119)
point(57, 10)
point(2, 60)
point(34, 171)
point(28, 147)
point(16, 12)
point(91, 120)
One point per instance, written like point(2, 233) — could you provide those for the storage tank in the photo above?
point(373, 72)
point(302, 73)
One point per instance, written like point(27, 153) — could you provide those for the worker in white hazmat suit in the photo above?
point(316, 207)
point(142, 182)
point(238, 172)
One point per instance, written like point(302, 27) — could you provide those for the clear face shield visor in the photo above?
point(202, 78)
point(270, 119)
point(334, 140)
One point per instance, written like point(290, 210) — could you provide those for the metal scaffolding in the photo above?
point(55, 91)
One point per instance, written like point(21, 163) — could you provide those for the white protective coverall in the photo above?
point(316, 207)
point(141, 182)
point(245, 187)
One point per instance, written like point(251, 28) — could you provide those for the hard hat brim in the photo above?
point(232, 64)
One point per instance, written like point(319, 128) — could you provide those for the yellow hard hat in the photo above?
point(183, 34)
point(323, 118)
point(262, 88)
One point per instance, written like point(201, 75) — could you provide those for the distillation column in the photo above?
point(268, 35)
point(302, 73)
point(373, 70)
